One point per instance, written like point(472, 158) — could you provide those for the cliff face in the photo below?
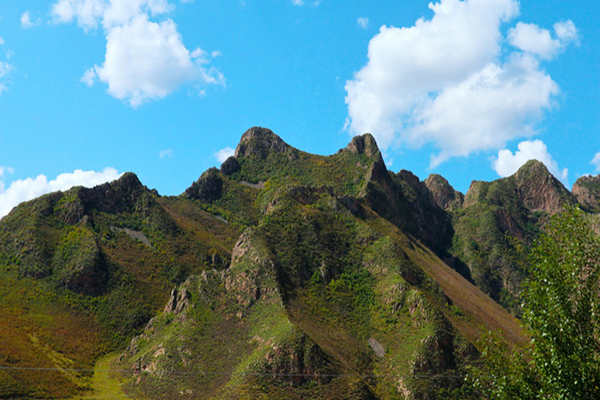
point(282, 274)
point(587, 191)
point(539, 190)
point(443, 193)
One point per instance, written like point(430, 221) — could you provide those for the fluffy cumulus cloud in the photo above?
point(27, 189)
point(508, 163)
point(224, 154)
point(448, 80)
point(145, 59)
point(596, 161)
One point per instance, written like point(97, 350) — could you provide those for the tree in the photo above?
point(561, 303)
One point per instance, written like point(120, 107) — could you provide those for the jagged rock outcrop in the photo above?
point(230, 166)
point(402, 198)
point(539, 190)
point(366, 144)
point(363, 144)
point(258, 142)
point(405, 201)
point(114, 197)
point(178, 302)
point(208, 188)
point(443, 193)
point(587, 191)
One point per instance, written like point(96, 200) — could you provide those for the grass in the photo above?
point(105, 385)
point(39, 330)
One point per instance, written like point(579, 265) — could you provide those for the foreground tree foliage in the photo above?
point(561, 306)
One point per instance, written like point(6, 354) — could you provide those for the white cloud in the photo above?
point(532, 39)
point(596, 161)
point(566, 32)
point(145, 60)
point(89, 77)
point(26, 21)
point(5, 69)
point(28, 189)
point(489, 108)
point(5, 170)
point(167, 153)
point(298, 2)
point(362, 22)
point(224, 154)
point(442, 81)
point(87, 13)
point(508, 163)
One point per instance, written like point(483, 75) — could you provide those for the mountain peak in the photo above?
point(443, 193)
point(532, 168)
point(258, 142)
point(539, 189)
point(127, 180)
point(363, 144)
point(534, 186)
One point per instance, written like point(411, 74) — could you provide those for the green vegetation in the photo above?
point(561, 306)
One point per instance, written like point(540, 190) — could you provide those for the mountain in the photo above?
point(587, 191)
point(282, 274)
point(498, 223)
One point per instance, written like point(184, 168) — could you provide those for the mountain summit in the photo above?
point(258, 142)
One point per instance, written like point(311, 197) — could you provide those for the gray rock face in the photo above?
point(377, 347)
point(179, 301)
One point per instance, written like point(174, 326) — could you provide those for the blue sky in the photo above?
point(468, 89)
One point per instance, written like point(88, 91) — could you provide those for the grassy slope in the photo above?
point(72, 290)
